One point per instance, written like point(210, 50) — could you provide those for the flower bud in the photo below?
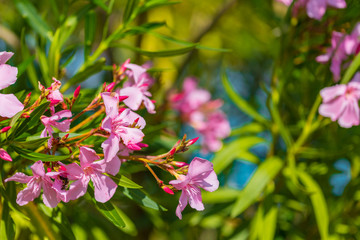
point(192, 141)
point(173, 151)
point(5, 129)
point(27, 99)
point(110, 87)
point(122, 98)
point(179, 164)
point(77, 91)
point(4, 155)
point(167, 190)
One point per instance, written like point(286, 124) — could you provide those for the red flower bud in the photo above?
point(110, 87)
point(192, 141)
point(167, 190)
point(173, 151)
point(179, 164)
point(62, 168)
point(77, 91)
point(5, 129)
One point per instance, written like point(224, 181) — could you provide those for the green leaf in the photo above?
point(101, 4)
point(33, 18)
point(15, 118)
point(163, 53)
point(222, 195)
point(236, 149)
point(32, 120)
point(24, 64)
point(141, 198)
point(351, 70)
point(39, 156)
point(126, 182)
point(90, 30)
point(30, 69)
point(242, 104)
point(130, 227)
point(269, 224)
point(156, 3)
point(7, 226)
point(83, 74)
point(251, 128)
point(129, 10)
point(111, 212)
point(263, 175)
point(318, 201)
point(32, 144)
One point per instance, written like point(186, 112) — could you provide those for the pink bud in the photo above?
point(110, 87)
point(142, 145)
point(134, 147)
point(136, 121)
point(192, 141)
point(27, 99)
point(123, 68)
point(77, 91)
point(4, 155)
point(48, 169)
point(173, 151)
point(5, 129)
point(153, 101)
point(66, 136)
point(180, 164)
point(62, 168)
point(167, 190)
point(122, 98)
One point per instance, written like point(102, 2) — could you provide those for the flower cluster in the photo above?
point(203, 114)
point(314, 8)
point(122, 130)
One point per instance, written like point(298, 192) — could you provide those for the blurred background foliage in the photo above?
point(285, 172)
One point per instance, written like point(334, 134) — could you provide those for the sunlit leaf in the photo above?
point(141, 198)
point(34, 156)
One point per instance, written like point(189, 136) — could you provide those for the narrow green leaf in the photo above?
point(269, 224)
point(32, 144)
point(30, 69)
point(15, 118)
point(23, 66)
point(141, 198)
point(263, 175)
point(222, 195)
point(129, 10)
point(126, 182)
point(7, 226)
point(101, 4)
point(318, 201)
point(33, 18)
point(130, 227)
point(163, 53)
point(351, 70)
point(111, 212)
point(34, 156)
point(157, 3)
point(242, 104)
point(84, 74)
point(251, 128)
point(236, 149)
point(90, 30)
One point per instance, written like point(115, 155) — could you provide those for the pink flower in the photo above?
point(35, 183)
point(52, 121)
point(136, 88)
point(200, 175)
point(340, 102)
point(4, 155)
point(54, 95)
point(90, 168)
point(121, 126)
point(9, 104)
point(314, 8)
point(341, 47)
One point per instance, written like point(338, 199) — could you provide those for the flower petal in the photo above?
point(134, 99)
point(29, 193)
point(78, 188)
point(50, 197)
point(87, 156)
point(110, 147)
point(5, 56)
point(195, 200)
point(316, 8)
point(7, 75)
point(19, 177)
point(9, 105)
point(183, 201)
point(111, 103)
point(104, 187)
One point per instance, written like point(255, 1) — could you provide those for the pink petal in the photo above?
point(337, 3)
point(38, 169)
point(129, 117)
point(333, 109)
point(19, 177)
point(104, 187)
point(190, 84)
point(330, 93)
point(7, 75)
point(4, 155)
point(9, 105)
point(316, 8)
point(111, 102)
point(150, 106)
point(134, 99)
point(110, 147)
point(112, 167)
point(29, 193)
point(194, 196)
point(5, 56)
point(323, 58)
point(350, 115)
point(183, 201)
point(136, 70)
point(87, 156)
point(131, 136)
point(78, 188)
point(74, 171)
point(106, 123)
point(63, 126)
point(50, 197)
point(61, 114)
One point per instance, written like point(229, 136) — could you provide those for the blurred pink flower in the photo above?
point(314, 8)
point(121, 126)
point(136, 88)
point(341, 47)
point(35, 183)
point(200, 175)
point(54, 95)
point(90, 168)
point(340, 102)
point(9, 104)
point(4, 155)
point(52, 121)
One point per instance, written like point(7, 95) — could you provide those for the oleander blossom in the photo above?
point(54, 95)
point(340, 103)
point(4, 155)
point(200, 175)
point(124, 127)
point(90, 169)
point(342, 46)
point(39, 180)
point(203, 114)
point(53, 121)
point(9, 104)
point(136, 88)
point(314, 8)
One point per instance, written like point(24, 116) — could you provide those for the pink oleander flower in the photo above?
point(55, 97)
point(200, 175)
point(35, 183)
point(121, 126)
point(90, 168)
point(136, 88)
point(314, 8)
point(4, 155)
point(340, 102)
point(9, 104)
point(52, 121)
point(341, 47)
